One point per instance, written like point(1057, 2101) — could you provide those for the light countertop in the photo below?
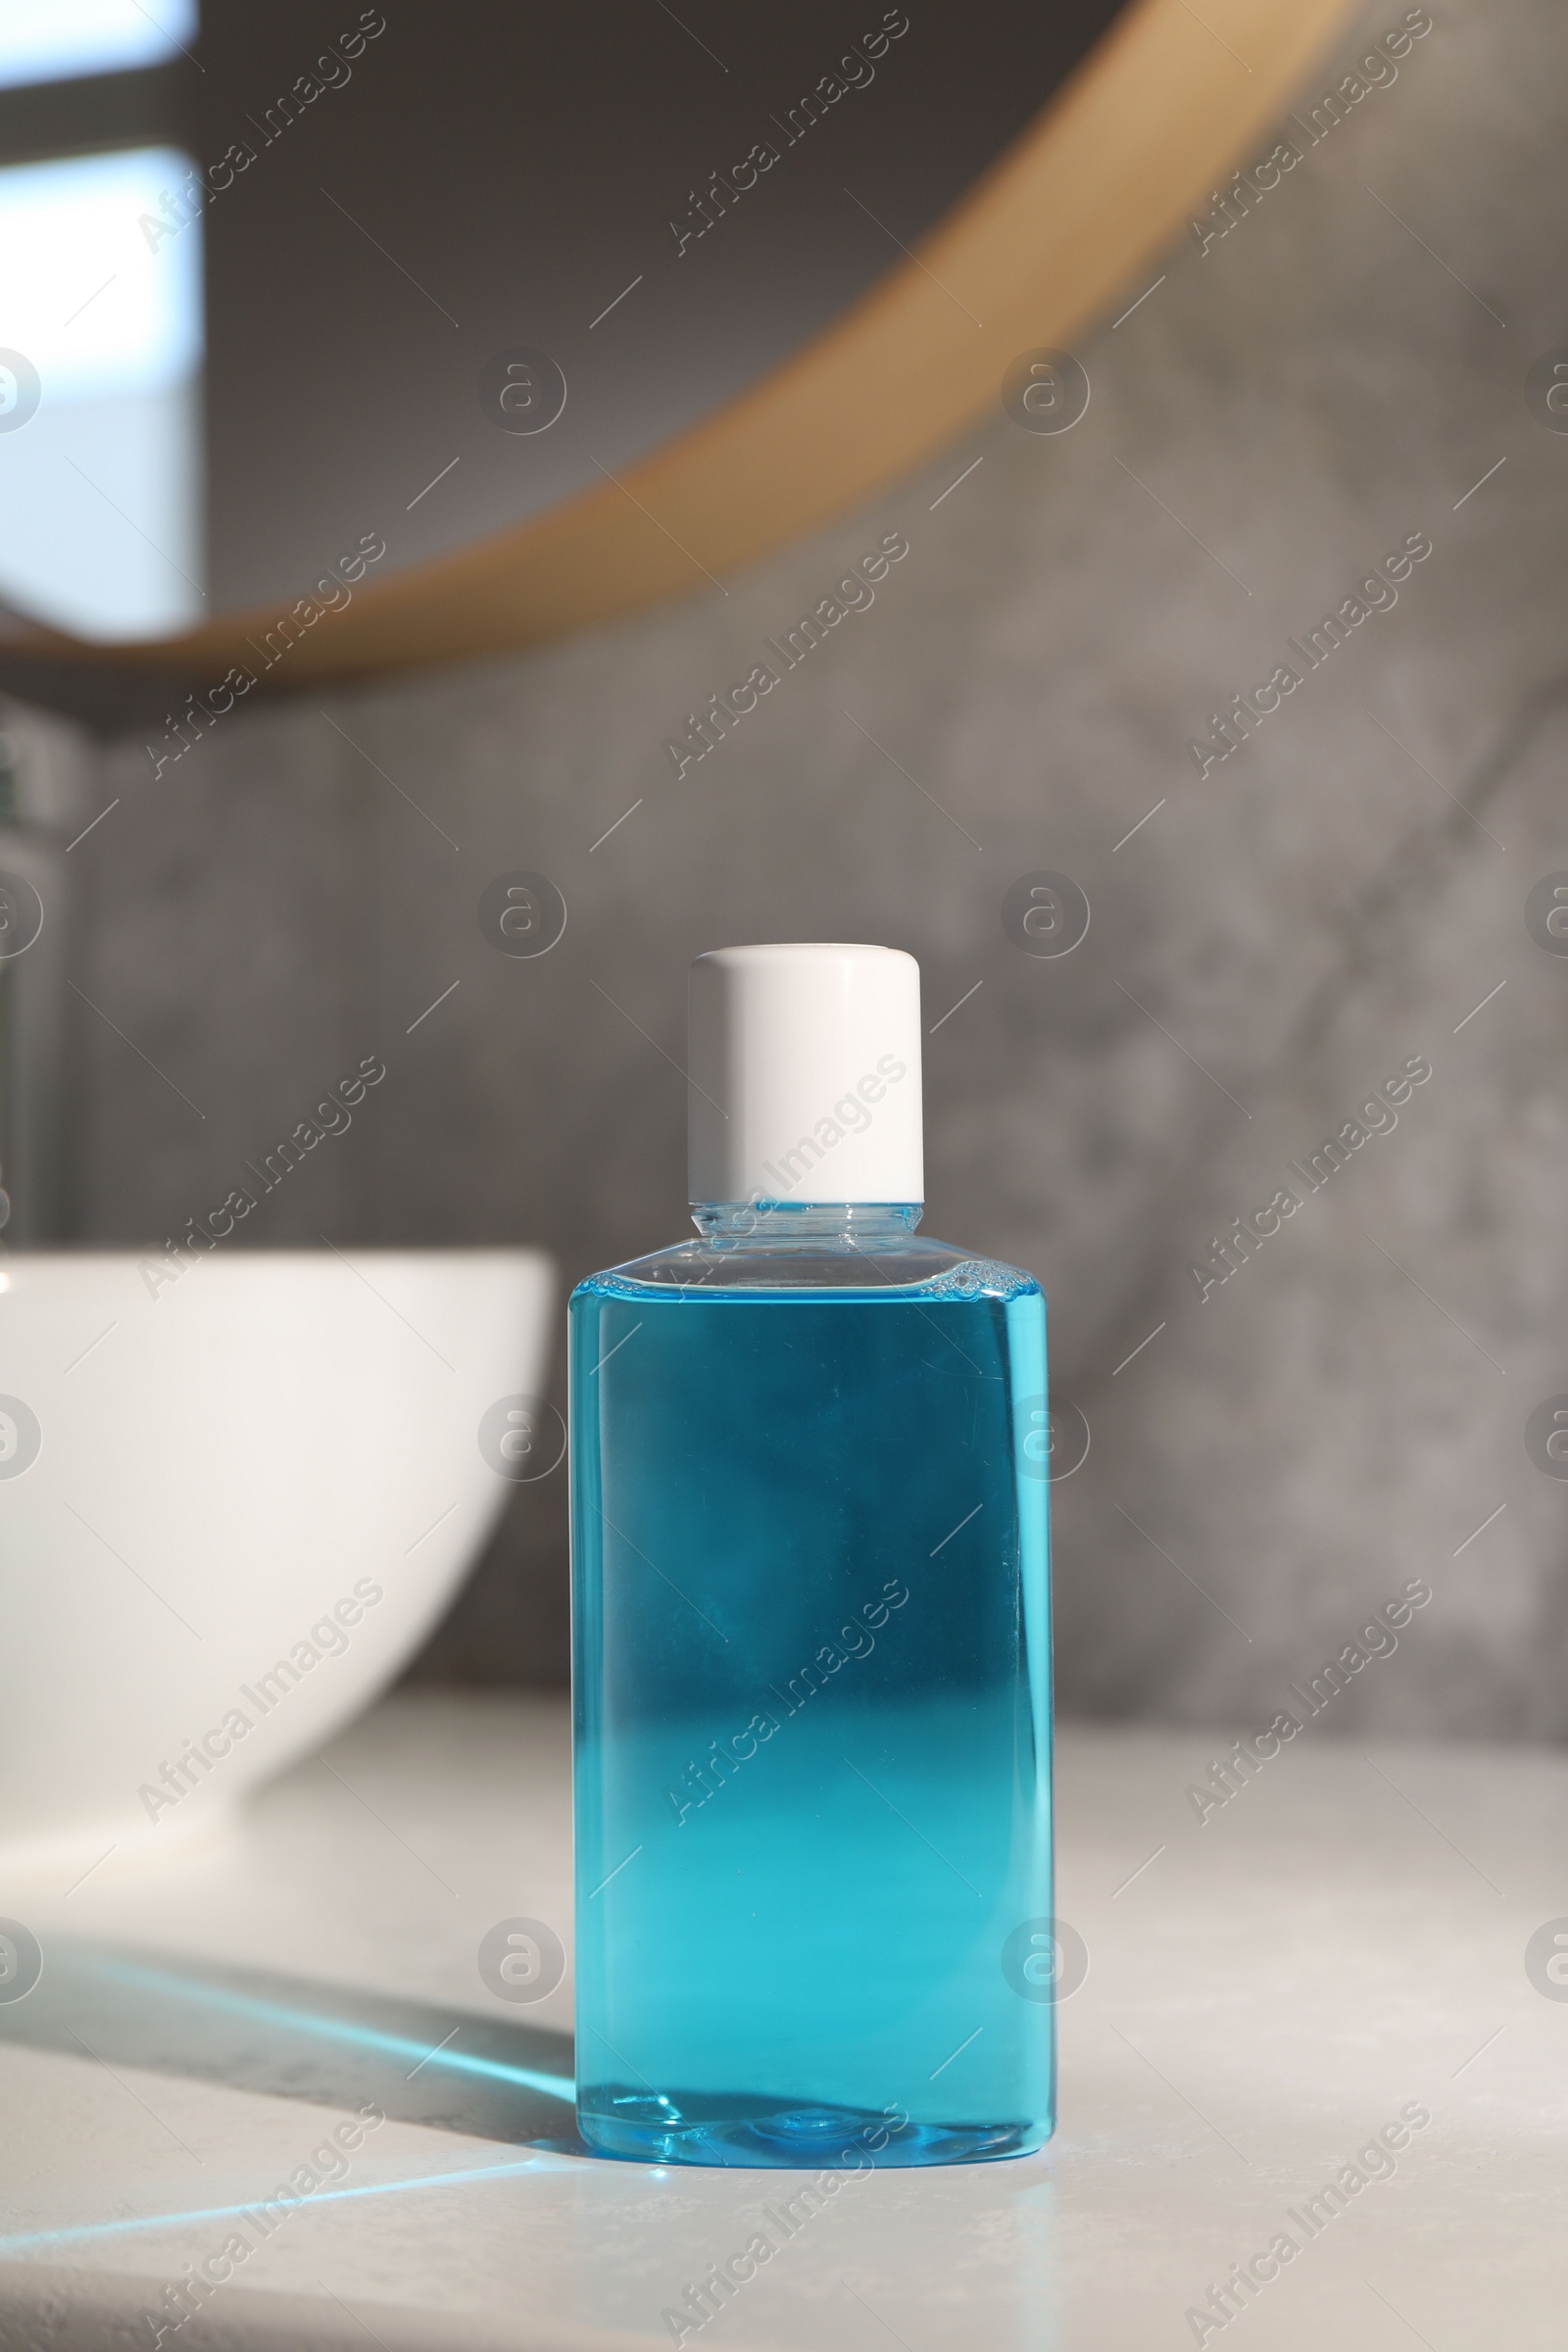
point(1345, 1941)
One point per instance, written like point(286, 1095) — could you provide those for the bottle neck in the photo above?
point(847, 1225)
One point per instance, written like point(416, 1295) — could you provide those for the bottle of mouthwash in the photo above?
point(810, 1624)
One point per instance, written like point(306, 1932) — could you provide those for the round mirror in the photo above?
point(340, 336)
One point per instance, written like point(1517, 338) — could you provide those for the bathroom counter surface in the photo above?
point(1273, 1997)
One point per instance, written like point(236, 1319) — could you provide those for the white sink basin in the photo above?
point(231, 1510)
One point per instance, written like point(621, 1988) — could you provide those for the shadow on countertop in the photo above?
point(334, 2045)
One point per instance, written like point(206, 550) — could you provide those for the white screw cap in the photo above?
point(805, 1068)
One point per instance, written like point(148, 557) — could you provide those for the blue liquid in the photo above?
point(811, 1670)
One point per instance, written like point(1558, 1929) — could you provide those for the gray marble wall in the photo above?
point(1270, 939)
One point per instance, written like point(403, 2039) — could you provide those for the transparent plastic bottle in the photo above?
point(812, 1671)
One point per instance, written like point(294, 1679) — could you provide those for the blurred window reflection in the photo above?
point(101, 335)
point(47, 40)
